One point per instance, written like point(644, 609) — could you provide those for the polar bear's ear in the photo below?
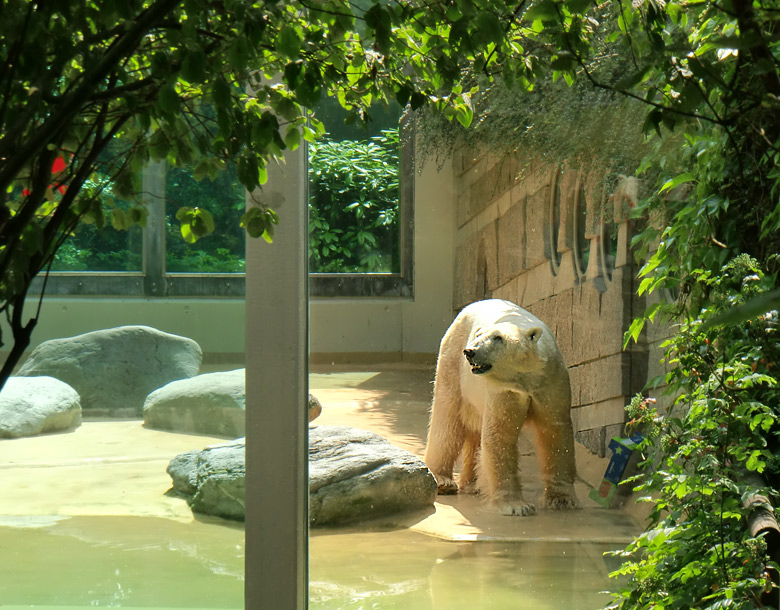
point(534, 334)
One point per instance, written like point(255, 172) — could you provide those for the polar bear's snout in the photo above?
point(478, 367)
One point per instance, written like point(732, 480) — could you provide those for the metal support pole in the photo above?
point(276, 399)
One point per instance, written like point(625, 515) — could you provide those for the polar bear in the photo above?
point(498, 368)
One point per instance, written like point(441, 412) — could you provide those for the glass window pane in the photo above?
point(93, 247)
point(223, 250)
point(354, 194)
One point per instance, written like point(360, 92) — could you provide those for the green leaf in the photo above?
point(32, 238)
point(118, 219)
point(292, 73)
point(677, 181)
point(579, 6)
point(634, 330)
point(195, 223)
point(379, 19)
point(418, 100)
point(248, 171)
point(221, 93)
point(138, 215)
point(545, 10)
point(289, 41)
point(293, 138)
point(168, 100)
point(193, 68)
point(201, 170)
point(563, 62)
point(239, 53)
point(464, 114)
point(489, 27)
point(254, 221)
point(183, 214)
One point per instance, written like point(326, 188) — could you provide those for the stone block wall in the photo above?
point(540, 237)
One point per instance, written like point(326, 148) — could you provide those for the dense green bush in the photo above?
point(353, 205)
point(700, 455)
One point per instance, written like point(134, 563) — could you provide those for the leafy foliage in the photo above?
point(353, 204)
point(93, 88)
point(698, 552)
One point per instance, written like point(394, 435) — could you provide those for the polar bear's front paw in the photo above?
point(560, 501)
point(517, 510)
point(447, 486)
point(514, 506)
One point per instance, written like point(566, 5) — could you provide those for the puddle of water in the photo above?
point(146, 562)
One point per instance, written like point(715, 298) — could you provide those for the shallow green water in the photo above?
point(139, 562)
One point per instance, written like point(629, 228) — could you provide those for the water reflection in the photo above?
point(121, 561)
point(406, 570)
point(151, 562)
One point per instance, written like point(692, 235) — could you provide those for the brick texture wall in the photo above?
point(540, 237)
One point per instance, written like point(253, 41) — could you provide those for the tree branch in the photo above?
point(13, 163)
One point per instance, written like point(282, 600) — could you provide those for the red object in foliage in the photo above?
point(57, 168)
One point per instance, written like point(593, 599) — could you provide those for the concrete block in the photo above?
point(487, 261)
point(600, 380)
point(510, 290)
point(519, 291)
point(563, 322)
point(465, 272)
point(538, 284)
point(536, 225)
point(565, 275)
point(567, 187)
point(462, 202)
point(463, 159)
point(537, 177)
point(600, 333)
point(511, 243)
point(606, 413)
point(505, 201)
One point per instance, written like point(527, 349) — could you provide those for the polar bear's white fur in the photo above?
point(499, 368)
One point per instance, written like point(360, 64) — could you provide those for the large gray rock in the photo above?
point(353, 475)
point(212, 403)
point(34, 405)
point(114, 370)
point(214, 479)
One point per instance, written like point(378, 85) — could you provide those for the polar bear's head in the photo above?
point(504, 349)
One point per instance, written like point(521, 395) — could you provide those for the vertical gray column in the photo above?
point(154, 235)
point(276, 399)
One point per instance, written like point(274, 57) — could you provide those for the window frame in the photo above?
point(155, 282)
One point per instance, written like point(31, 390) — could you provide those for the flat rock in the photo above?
point(114, 370)
point(212, 403)
point(353, 475)
point(36, 405)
